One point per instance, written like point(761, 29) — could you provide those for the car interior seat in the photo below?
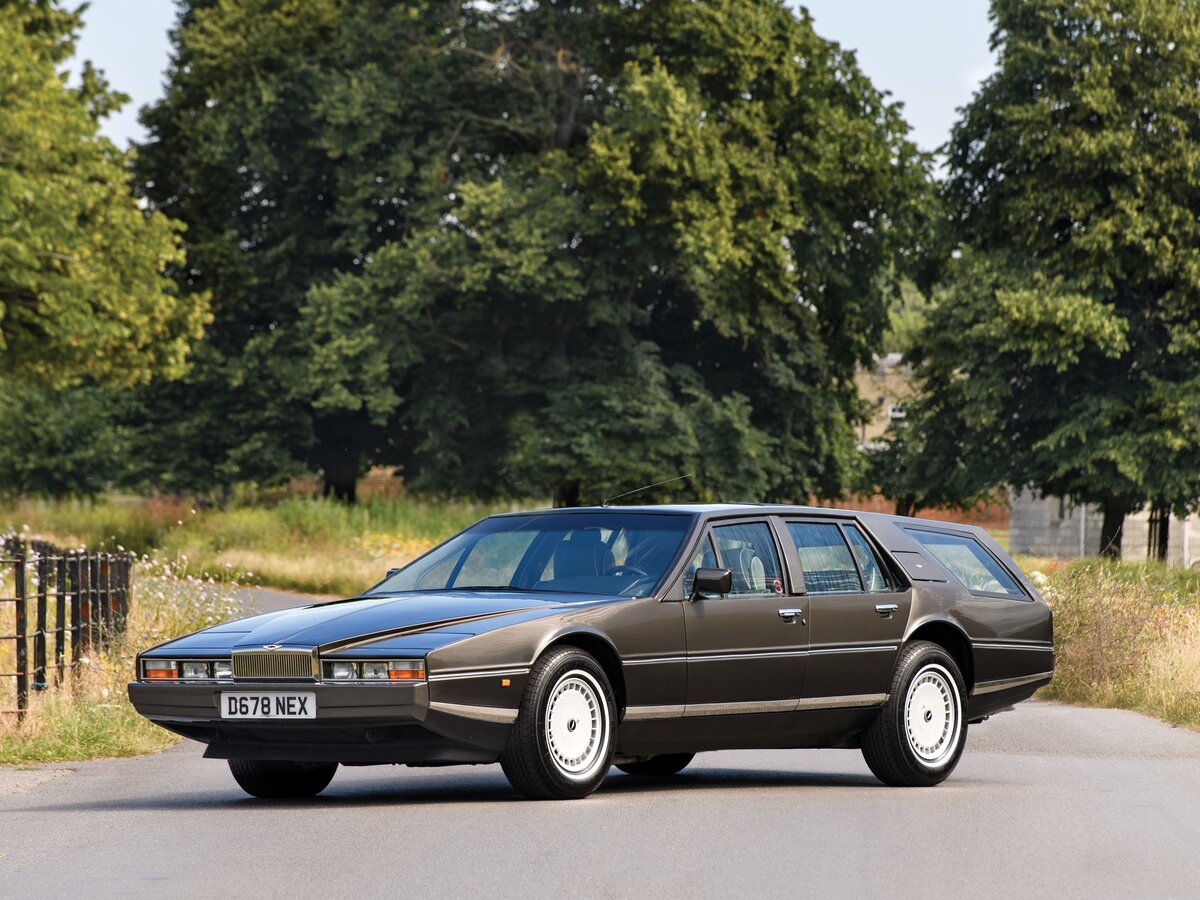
point(583, 555)
point(750, 573)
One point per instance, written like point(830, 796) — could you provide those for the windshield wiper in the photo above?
point(514, 589)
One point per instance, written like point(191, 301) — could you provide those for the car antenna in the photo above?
point(647, 487)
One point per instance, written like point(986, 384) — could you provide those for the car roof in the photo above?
point(722, 509)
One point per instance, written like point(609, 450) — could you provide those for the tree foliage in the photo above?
point(528, 248)
point(1062, 351)
point(84, 289)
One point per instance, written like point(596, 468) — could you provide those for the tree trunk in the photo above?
point(341, 484)
point(1111, 530)
point(1159, 531)
point(567, 494)
point(906, 505)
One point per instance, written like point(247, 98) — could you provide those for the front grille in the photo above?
point(274, 664)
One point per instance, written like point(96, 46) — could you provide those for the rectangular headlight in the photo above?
point(196, 670)
point(340, 671)
point(223, 668)
point(375, 671)
point(159, 668)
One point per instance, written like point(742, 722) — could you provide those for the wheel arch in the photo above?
point(599, 646)
point(954, 641)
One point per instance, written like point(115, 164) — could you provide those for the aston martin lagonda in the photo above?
point(563, 642)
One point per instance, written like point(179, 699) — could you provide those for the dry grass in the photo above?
point(89, 715)
point(312, 545)
point(1126, 636)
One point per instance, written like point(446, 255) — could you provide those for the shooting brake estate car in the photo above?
point(562, 642)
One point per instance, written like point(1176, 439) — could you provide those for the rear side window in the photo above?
point(968, 562)
point(868, 562)
point(825, 558)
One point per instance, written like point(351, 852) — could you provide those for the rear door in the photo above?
point(857, 613)
point(745, 649)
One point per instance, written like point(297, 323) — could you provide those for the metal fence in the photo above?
point(73, 600)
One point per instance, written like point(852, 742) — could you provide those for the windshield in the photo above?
point(613, 554)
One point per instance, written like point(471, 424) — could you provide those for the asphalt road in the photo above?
point(1048, 801)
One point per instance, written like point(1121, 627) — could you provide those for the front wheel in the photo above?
point(280, 780)
point(561, 745)
point(920, 734)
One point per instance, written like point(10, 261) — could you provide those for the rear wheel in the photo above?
point(277, 780)
point(658, 766)
point(920, 734)
point(561, 745)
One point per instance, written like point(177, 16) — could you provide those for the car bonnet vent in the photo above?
point(274, 664)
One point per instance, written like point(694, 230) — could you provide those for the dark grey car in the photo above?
point(562, 642)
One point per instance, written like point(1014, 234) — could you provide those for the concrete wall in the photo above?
point(1052, 526)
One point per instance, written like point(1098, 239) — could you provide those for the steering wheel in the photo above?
point(627, 570)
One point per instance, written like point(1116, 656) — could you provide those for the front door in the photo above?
point(857, 616)
point(745, 649)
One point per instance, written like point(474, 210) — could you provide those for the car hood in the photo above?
point(347, 623)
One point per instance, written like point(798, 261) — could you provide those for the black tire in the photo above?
point(920, 734)
point(658, 766)
point(548, 757)
point(279, 780)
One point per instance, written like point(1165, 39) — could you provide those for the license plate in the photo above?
point(273, 705)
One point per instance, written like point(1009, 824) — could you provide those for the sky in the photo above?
point(929, 54)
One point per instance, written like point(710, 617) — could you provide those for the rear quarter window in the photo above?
point(968, 561)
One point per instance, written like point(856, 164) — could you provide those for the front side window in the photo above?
point(748, 551)
point(704, 558)
point(968, 562)
point(828, 566)
point(612, 554)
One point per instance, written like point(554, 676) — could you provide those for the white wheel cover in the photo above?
point(576, 726)
point(932, 715)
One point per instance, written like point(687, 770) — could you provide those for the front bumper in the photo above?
point(355, 723)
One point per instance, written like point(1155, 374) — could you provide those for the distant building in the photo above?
point(885, 386)
point(1056, 527)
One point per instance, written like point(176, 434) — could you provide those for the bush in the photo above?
point(1126, 635)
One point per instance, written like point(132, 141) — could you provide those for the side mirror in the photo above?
point(712, 581)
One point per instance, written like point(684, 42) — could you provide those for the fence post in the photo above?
point(85, 599)
point(39, 636)
point(104, 592)
point(126, 571)
point(93, 597)
point(22, 627)
point(60, 614)
point(73, 588)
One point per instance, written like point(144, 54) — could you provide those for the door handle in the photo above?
point(885, 610)
point(789, 616)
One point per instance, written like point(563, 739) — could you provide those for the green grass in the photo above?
point(313, 545)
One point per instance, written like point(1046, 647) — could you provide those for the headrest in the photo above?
point(584, 555)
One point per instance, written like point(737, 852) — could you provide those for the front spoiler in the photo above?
point(362, 723)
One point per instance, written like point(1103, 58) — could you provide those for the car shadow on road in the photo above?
point(474, 788)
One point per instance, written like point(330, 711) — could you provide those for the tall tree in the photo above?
point(84, 286)
point(535, 247)
point(1064, 351)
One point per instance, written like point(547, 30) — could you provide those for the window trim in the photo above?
point(1023, 594)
